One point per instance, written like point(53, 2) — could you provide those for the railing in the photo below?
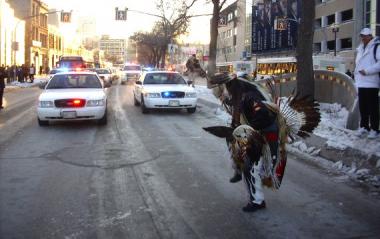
point(330, 87)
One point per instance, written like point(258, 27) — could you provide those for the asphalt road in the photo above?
point(155, 176)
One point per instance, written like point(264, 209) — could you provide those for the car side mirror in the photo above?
point(138, 82)
point(42, 85)
point(107, 85)
point(189, 82)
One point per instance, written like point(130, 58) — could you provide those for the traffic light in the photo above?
point(121, 15)
point(66, 17)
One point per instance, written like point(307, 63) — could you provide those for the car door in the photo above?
point(138, 88)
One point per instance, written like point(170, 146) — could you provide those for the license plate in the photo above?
point(69, 114)
point(173, 103)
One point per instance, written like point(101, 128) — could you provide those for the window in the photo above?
point(229, 33)
point(317, 47)
point(230, 16)
point(331, 45)
point(367, 13)
point(346, 43)
point(330, 19)
point(318, 23)
point(347, 15)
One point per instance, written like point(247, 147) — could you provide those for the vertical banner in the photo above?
point(267, 15)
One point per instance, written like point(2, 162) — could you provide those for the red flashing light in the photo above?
point(77, 102)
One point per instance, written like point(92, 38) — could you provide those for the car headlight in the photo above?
point(152, 95)
point(46, 104)
point(191, 95)
point(92, 103)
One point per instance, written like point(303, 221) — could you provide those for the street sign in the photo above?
point(121, 15)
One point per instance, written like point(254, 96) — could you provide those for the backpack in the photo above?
point(374, 52)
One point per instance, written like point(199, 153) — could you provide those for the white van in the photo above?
point(130, 72)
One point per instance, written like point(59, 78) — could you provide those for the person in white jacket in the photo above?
point(368, 82)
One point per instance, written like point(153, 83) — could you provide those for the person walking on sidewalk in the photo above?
point(32, 72)
point(367, 81)
point(2, 85)
point(192, 65)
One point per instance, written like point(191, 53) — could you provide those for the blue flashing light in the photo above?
point(166, 94)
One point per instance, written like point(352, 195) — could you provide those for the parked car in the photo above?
point(130, 72)
point(164, 89)
point(104, 74)
point(53, 72)
point(71, 96)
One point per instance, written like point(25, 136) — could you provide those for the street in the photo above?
point(156, 175)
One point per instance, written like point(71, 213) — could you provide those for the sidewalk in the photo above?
point(331, 146)
point(15, 84)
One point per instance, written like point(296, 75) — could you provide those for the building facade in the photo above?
point(337, 27)
point(12, 29)
point(55, 46)
point(231, 36)
point(338, 24)
point(34, 12)
point(114, 48)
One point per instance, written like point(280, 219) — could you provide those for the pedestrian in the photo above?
point(13, 73)
point(192, 65)
point(40, 70)
point(367, 81)
point(6, 77)
point(25, 72)
point(259, 132)
point(20, 74)
point(32, 72)
point(2, 85)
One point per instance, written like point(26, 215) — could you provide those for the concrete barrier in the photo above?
point(330, 87)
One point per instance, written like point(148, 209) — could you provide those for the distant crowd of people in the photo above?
point(21, 73)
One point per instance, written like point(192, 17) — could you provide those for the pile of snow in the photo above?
point(37, 81)
point(332, 128)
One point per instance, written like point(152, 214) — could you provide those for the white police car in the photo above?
point(71, 96)
point(164, 90)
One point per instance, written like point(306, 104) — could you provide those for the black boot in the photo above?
point(251, 207)
point(236, 178)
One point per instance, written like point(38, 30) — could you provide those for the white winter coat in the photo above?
point(365, 60)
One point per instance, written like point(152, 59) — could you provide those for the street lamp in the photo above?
point(335, 30)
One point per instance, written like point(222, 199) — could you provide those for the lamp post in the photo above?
point(335, 30)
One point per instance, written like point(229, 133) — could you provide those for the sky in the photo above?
point(102, 12)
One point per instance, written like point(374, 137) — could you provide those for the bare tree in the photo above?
point(152, 43)
point(218, 4)
point(305, 73)
point(175, 21)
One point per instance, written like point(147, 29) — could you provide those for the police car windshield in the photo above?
point(74, 81)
